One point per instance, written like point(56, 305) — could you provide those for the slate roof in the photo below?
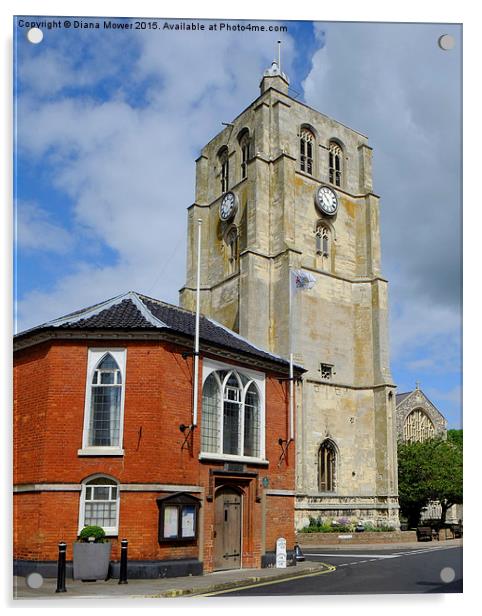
point(401, 397)
point(136, 312)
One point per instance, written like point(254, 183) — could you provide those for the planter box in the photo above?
point(91, 561)
point(310, 539)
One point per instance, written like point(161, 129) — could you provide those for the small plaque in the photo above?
point(234, 467)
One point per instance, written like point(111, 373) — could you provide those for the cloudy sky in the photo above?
point(109, 124)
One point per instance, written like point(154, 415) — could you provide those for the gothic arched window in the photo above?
point(418, 427)
point(307, 147)
point(233, 251)
point(231, 415)
point(335, 163)
point(105, 404)
point(322, 241)
point(327, 466)
point(244, 144)
point(224, 162)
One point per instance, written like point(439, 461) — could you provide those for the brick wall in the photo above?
point(49, 390)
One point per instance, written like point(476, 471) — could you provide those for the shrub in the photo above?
point(92, 531)
point(342, 525)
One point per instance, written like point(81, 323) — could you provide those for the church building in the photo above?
point(284, 188)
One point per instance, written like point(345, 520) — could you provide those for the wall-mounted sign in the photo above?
point(178, 517)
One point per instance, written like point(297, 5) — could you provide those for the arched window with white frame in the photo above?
point(99, 504)
point(232, 414)
point(104, 402)
point(307, 150)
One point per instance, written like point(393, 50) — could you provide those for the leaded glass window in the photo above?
point(231, 415)
point(210, 427)
point(100, 505)
point(105, 404)
point(251, 422)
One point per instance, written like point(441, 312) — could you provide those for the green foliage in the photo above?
point(92, 531)
point(341, 525)
point(456, 437)
point(429, 471)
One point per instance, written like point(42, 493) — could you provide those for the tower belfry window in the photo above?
point(322, 241)
point(233, 252)
point(244, 143)
point(224, 161)
point(335, 163)
point(307, 141)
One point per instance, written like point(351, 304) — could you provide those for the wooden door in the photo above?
point(227, 529)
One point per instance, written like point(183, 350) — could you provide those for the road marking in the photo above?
point(330, 569)
point(373, 556)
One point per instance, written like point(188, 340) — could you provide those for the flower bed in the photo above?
point(347, 538)
point(344, 525)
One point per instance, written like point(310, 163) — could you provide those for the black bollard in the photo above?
point(61, 567)
point(123, 562)
point(299, 556)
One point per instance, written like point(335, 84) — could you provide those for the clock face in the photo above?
point(228, 206)
point(326, 200)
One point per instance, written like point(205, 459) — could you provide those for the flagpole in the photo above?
point(196, 336)
point(290, 343)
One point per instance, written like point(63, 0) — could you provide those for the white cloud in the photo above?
point(393, 83)
point(36, 230)
point(127, 162)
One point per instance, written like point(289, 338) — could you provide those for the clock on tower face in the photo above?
point(326, 200)
point(228, 206)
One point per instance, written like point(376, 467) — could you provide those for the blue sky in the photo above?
point(109, 124)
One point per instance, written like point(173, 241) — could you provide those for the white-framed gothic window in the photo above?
point(232, 424)
point(418, 427)
point(307, 150)
point(335, 162)
point(104, 402)
point(99, 504)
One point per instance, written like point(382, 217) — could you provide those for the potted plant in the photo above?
point(91, 555)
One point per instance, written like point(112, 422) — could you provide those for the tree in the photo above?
point(429, 471)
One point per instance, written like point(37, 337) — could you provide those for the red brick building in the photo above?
point(103, 434)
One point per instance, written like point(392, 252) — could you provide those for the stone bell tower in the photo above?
point(285, 187)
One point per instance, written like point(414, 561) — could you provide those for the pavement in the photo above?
point(191, 586)
point(166, 587)
point(404, 545)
